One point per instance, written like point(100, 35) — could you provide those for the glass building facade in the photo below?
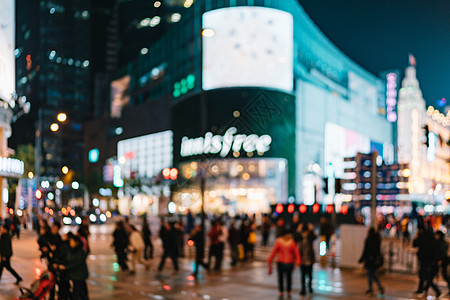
point(53, 63)
point(338, 108)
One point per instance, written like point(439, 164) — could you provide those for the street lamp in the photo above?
point(54, 127)
point(65, 170)
point(61, 117)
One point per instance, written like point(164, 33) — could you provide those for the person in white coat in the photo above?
point(136, 248)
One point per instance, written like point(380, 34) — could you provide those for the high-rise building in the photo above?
point(258, 101)
point(142, 22)
point(53, 63)
point(423, 143)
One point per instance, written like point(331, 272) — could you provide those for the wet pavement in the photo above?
point(248, 280)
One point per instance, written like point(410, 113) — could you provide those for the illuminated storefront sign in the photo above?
point(391, 96)
point(11, 167)
point(222, 145)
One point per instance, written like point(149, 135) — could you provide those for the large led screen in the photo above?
point(7, 70)
point(247, 46)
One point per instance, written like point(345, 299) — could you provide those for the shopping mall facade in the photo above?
point(260, 106)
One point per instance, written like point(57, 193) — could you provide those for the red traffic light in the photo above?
point(291, 208)
point(173, 174)
point(330, 209)
point(302, 208)
point(279, 208)
point(169, 173)
point(315, 208)
point(344, 210)
point(166, 173)
point(38, 194)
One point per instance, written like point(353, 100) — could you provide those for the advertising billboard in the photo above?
point(341, 142)
point(248, 47)
point(7, 60)
point(146, 156)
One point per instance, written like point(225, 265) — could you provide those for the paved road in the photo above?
point(247, 281)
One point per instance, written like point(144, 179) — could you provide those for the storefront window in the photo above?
point(233, 186)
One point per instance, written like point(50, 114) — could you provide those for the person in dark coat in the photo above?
point(198, 237)
point(214, 245)
point(279, 229)
point(190, 222)
point(244, 233)
point(326, 230)
point(15, 226)
point(120, 244)
point(427, 256)
point(60, 258)
point(57, 256)
point(76, 268)
point(179, 227)
point(371, 257)
point(147, 236)
point(265, 228)
point(305, 236)
point(169, 236)
point(44, 247)
point(83, 231)
point(442, 247)
point(234, 239)
point(6, 253)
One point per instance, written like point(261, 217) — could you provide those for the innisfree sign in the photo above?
point(224, 144)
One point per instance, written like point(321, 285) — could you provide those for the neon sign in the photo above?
point(222, 145)
point(391, 96)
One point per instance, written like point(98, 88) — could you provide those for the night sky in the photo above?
point(379, 34)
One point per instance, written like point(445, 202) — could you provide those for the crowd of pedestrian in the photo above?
point(432, 252)
point(65, 256)
point(293, 247)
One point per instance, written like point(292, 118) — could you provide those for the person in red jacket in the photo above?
point(287, 253)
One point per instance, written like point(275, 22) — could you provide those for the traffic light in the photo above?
point(330, 209)
point(279, 208)
point(291, 208)
point(302, 208)
point(170, 174)
point(427, 135)
point(315, 208)
point(344, 209)
point(173, 174)
point(166, 173)
point(325, 185)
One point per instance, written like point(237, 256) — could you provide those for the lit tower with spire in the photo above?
point(422, 141)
